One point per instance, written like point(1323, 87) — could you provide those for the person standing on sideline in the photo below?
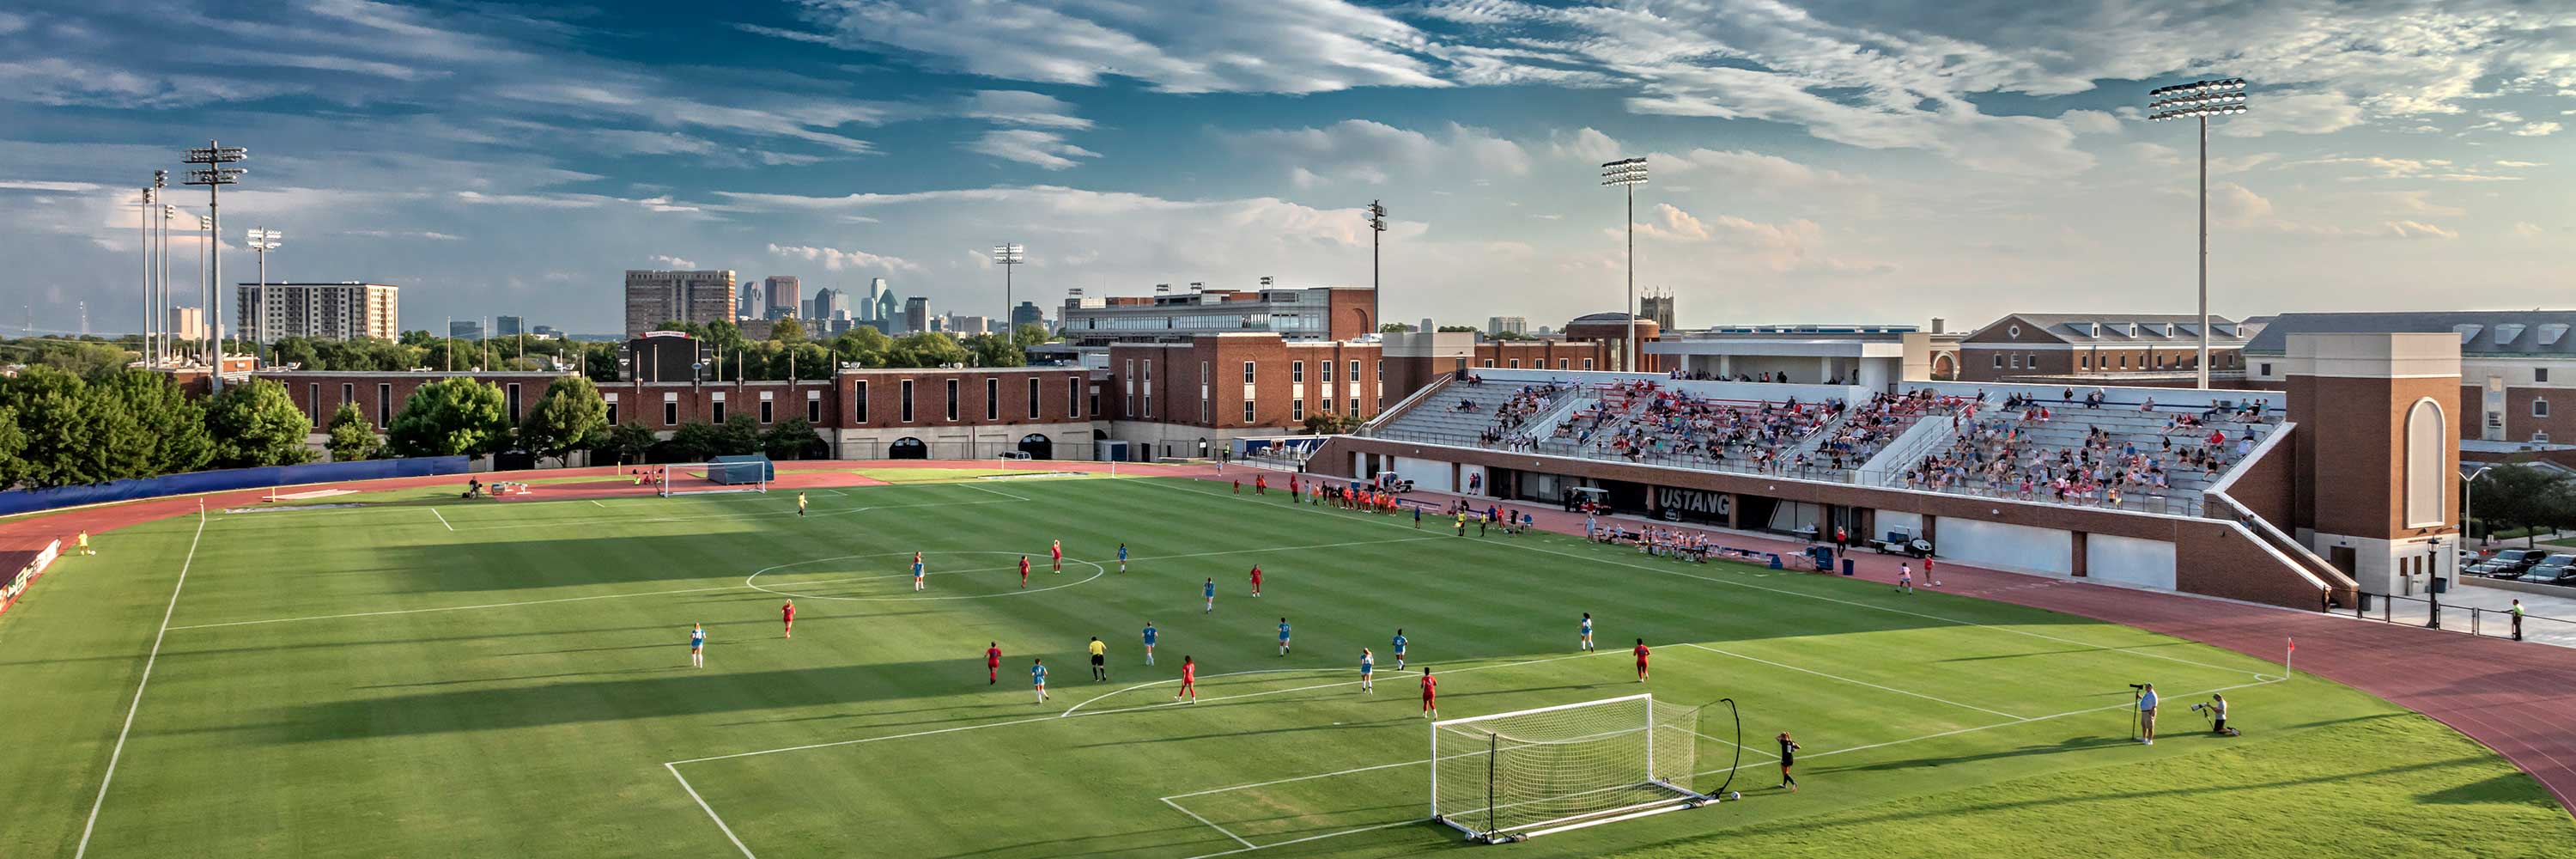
point(1150, 635)
point(697, 645)
point(1037, 676)
point(800, 505)
point(1587, 632)
point(1788, 758)
point(992, 663)
point(1099, 660)
point(1430, 695)
point(1641, 652)
point(2147, 714)
point(1210, 590)
point(2517, 619)
point(1261, 484)
point(1368, 667)
point(1927, 572)
point(787, 615)
point(1462, 523)
point(1842, 541)
point(1905, 577)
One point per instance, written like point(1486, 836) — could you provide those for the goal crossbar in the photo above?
point(700, 478)
point(1526, 773)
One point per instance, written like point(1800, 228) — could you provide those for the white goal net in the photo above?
point(1532, 772)
point(698, 478)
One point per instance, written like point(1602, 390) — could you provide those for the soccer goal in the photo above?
point(724, 474)
point(1528, 773)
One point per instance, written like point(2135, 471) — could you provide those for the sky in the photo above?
point(1810, 160)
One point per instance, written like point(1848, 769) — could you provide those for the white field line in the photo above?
point(118, 752)
point(1068, 711)
point(452, 608)
point(442, 518)
point(1853, 682)
point(1238, 839)
point(994, 491)
point(711, 812)
point(773, 514)
point(595, 502)
point(1269, 692)
point(1786, 592)
point(1413, 822)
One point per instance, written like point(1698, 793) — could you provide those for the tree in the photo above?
point(1394, 328)
point(739, 435)
point(1327, 423)
point(169, 427)
point(925, 349)
point(994, 350)
point(1032, 334)
point(631, 440)
point(12, 441)
point(454, 416)
point(82, 358)
point(302, 352)
point(53, 409)
point(599, 364)
point(1457, 329)
point(792, 438)
point(570, 412)
point(353, 437)
point(256, 424)
point(695, 441)
point(2520, 496)
point(863, 345)
point(788, 330)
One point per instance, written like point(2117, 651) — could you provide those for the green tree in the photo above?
point(454, 416)
point(863, 345)
point(739, 435)
point(54, 416)
point(695, 441)
point(2517, 495)
point(599, 364)
point(1033, 334)
point(792, 438)
point(788, 330)
point(925, 349)
point(256, 424)
point(170, 430)
point(994, 350)
point(82, 358)
point(631, 441)
point(302, 352)
point(812, 361)
point(353, 437)
point(1454, 329)
point(568, 415)
point(1394, 328)
point(12, 442)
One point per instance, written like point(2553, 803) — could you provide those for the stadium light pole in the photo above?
point(261, 242)
point(1377, 304)
point(1628, 173)
point(143, 222)
point(1008, 256)
point(2200, 100)
point(214, 175)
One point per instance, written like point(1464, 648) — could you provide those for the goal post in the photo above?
point(1528, 773)
point(723, 474)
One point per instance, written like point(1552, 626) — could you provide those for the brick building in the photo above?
point(2517, 368)
point(2101, 349)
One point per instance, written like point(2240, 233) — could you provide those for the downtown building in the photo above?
point(655, 296)
point(320, 311)
point(1316, 313)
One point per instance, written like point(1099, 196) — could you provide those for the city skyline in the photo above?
point(1805, 156)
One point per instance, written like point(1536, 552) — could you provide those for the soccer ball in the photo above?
point(1735, 794)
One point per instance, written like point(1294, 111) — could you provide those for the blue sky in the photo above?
point(1813, 161)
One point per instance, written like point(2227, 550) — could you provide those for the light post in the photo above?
point(1008, 256)
point(2200, 100)
point(1377, 306)
point(164, 349)
point(261, 242)
point(2468, 491)
point(1628, 173)
point(143, 223)
point(214, 175)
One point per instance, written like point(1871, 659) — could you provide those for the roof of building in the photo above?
point(2118, 328)
point(2482, 332)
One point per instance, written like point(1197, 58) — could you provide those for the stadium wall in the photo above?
point(14, 583)
point(32, 500)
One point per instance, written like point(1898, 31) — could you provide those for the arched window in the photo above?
point(2428, 482)
point(907, 447)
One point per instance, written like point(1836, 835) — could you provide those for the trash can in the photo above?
point(2361, 601)
point(1775, 560)
point(1847, 566)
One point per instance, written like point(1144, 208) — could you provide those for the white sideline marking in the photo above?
point(119, 751)
point(1269, 692)
point(451, 608)
point(1238, 839)
point(595, 502)
point(711, 812)
point(1000, 493)
point(1786, 592)
point(1851, 681)
point(442, 518)
point(556, 523)
point(1068, 711)
point(1413, 822)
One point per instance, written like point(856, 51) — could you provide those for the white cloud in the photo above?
point(673, 262)
point(2537, 129)
point(836, 259)
point(2509, 163)
point(1792, 246)
point(2293, 113)
point(1359, 150)
point(1587, 143)
point(1043, 148)
point(2527, 229)
point(431, 235)
point(2090, 122)
point(1017, 107)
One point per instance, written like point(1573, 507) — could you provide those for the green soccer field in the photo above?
point(424, 677)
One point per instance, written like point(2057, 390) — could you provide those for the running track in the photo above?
point(2518, 699)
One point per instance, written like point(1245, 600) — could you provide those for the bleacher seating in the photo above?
point(2116, 455)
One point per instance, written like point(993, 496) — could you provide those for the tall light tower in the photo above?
point(1628, 173)
point(151, 201)
point(1008, 256)
point(261, 242)
point(2200, 100)
point(1377, 304)
point(214, 175)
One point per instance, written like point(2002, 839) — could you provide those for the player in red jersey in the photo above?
point(787, 615)
point(1056, 554)
point(1641, 652)
point(1430, 695)
point(1238, 486)
point(1024, 571)
point(993, 663)
point(1256, 580)
point(1189, 680)
point(1261, 484)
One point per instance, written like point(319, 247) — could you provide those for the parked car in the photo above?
point(2549, 574)
point(2521, 559)
point(2493, 570)
point(2559, 559)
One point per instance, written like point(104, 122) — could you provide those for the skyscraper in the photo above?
point(1507, 325)
point(1027, 314)
point(509, 326)
point(916, 314)
point(782, 292)
point(749, 304)
point(655, 296)
point(881, 297)
point(320, 311)
point(828, 304)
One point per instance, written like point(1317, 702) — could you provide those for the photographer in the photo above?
point(2146, 712)
point(2216, 710)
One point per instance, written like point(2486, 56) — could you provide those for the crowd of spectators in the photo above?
point(2006, 453)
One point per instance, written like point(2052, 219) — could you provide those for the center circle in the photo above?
point(753, 581)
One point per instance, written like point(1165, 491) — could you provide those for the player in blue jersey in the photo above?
point(1122, 557)
point(1398, 644)
point(697, 645)
point(1210, 591)
point(1587, 631)
point(1368, 669)
point(1283, 636)
point(1037, 675)
point(917, 570)
point(1150, 635)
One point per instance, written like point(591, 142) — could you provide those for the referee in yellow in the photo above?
point(1099, 660)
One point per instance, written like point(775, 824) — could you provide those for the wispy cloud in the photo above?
point(1043, 148)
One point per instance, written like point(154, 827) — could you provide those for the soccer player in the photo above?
point(1788, 758)
point(1238, 486)
point(917, 583)
point(1122, 558)
point(82, 545)
point(1368, 668)
point(1398, 643)
point(1210, 590)
point(697, 645)
point(1261, 484)
point(1905, 577)
point(993, 663)
point(1037, 675)
point(1430, 695)
point(787, 615)
point(1256, 580)
point(1189, 680)
point(1056, 554)
point(1587, 632)
point(800, 505)
point(1150, 635)
point(1417, 518)
point(1927, 572)
point(1283, 636)
point(1024, 571)
point(1099, 660)
point(1462, 523)
point(1641, 652)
